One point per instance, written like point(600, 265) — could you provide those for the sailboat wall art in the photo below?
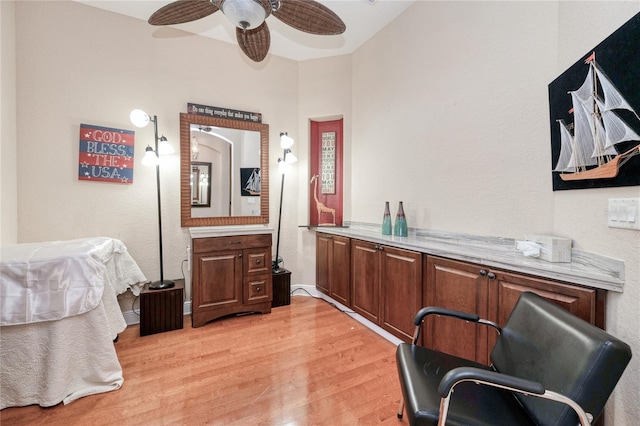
point(595, 115)
point(250, 182)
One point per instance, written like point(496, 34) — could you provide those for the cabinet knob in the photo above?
point(258, 289)
point(491, 276)
point(258, 261)
point(239, 254)
point(483, 272)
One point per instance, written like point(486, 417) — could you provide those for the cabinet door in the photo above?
point(460, 286)
point(365, 280)
point(585, 303)
point(219, 278)
point(322, 262)
point(339, 268)
point(578, 300)
point(401, 284)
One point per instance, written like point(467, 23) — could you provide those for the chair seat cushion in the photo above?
point(420, 371)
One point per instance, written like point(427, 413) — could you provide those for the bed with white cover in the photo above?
point(59, 317)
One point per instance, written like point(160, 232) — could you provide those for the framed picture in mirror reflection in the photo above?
point(200, 184)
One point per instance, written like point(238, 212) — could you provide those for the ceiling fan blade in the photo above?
point(254, 43)
point(310, 16)
point(182, 11)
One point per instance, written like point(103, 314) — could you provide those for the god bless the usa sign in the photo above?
point(106, 155)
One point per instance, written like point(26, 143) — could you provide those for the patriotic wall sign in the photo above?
point(106, 155)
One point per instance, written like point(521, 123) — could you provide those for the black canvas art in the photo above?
point(250, 182)
point(594, 115)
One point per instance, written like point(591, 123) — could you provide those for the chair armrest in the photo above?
point(492, 378)
point(504, 381)
point(434, 310)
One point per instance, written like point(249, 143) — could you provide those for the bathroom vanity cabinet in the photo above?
point(230, 275)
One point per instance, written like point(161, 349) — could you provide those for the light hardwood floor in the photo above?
point(304, 364)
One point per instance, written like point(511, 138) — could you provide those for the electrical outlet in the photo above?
point(624, 213)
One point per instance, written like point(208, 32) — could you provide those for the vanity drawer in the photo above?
point(258, 289)
point(206, 245)
point(256, 261)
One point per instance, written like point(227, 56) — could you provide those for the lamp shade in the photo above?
point(164, 147)
point(290, 157)
point(150, 158)
point(285, 141)
point(139, 118)
point(245, 14)
point(283, 166)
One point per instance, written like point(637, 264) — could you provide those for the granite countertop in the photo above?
point(585, 268)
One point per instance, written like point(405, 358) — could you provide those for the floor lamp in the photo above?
point(151, 157)
point(284, 164)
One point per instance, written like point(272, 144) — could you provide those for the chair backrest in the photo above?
point(545, 343)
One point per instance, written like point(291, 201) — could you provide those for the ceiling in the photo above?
point(363, 19)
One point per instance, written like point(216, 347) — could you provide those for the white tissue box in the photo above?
point(554, 249)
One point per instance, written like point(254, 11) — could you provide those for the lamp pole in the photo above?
point(275, 267)
point(162, 283)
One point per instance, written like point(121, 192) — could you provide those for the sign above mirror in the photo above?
point(232, 114)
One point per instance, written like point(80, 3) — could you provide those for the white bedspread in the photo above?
point(62, 354)
point(54, 280)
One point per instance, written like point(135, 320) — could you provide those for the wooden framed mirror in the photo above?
point(229, 145)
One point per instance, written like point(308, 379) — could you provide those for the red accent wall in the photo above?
point(328, 202)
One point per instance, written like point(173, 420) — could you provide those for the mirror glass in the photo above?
point(223, 171)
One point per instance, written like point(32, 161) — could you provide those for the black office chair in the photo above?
point(549, 367)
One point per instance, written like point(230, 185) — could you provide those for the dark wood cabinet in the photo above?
point(583, 302)
point(492, 294)
point(161, 310)
point(230, 275)
point(365, 279)
point(333, 266)
point(456, 285)
point(401, 290)
point(281, 282)
point(386, 286)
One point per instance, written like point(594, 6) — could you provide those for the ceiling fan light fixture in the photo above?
point(245, 14)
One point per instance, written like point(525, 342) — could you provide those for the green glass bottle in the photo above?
point(386, 220)
point(400, 227)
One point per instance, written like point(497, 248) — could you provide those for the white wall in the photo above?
point(450, 115)
point(8, 153)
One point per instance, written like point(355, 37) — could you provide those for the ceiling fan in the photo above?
point(249, 18)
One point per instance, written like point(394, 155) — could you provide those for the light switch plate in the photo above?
point(624, 213)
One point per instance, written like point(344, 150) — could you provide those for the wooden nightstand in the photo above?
point(161, 310)
point(281, 288)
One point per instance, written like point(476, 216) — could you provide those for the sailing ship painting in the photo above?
point(250, 181)
point(597, 127)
